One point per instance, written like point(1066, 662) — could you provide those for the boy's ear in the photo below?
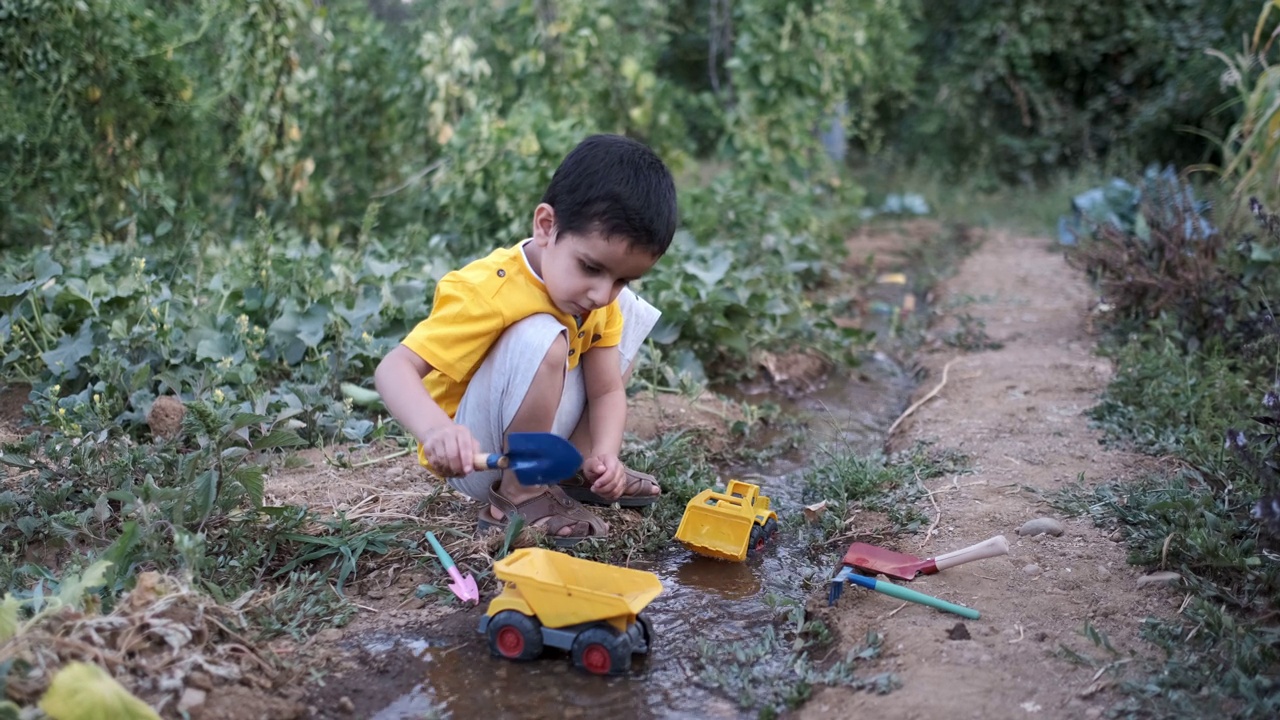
point(544, 225)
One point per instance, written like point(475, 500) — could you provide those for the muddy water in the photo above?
point(705, 604)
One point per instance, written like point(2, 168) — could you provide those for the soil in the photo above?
point(1013, 405)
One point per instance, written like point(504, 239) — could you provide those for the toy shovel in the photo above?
point(464, 586)
point(897, 591)
point(903, 566)
point(536, 458)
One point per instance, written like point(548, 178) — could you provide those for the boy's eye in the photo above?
point(588, 268)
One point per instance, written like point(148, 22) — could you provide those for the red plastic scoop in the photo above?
point(905, 567)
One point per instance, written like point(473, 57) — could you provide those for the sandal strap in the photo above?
point(558, 509)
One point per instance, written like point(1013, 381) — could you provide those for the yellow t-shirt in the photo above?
point(474, 305)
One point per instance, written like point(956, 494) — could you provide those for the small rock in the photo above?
point(191, 698)
point(1032, 570)
point(415, 603)
point(345, 704)
point(959, 632)
point(1093, 713)
point(1041, 526)
point(200, 680)
point(329, 635)
point(375, 593)
point(1164, 576)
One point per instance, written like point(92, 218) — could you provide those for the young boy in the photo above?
point(540, 337)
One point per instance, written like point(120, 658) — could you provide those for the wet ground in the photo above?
point(445, 669)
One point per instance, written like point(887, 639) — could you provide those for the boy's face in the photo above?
point(583, 271)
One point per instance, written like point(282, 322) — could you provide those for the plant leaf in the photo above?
point(86, 692)
point(9, 608)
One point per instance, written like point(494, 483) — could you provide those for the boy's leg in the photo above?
point(509, 393)
point(639, 319)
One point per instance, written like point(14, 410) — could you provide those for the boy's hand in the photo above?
point(607, 477)
point(451, 450)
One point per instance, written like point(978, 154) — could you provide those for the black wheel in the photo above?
point(770, 530)
point(761, 537)
point(601, 650)
point(515, 636)
point(646, 631)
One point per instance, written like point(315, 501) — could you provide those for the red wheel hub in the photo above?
point(510, 642)
point(595, 659)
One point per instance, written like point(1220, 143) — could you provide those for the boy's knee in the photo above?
point(557, 356)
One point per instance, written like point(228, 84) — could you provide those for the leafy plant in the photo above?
point(1250, 148)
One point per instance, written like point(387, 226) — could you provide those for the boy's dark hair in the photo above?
point(618, 187)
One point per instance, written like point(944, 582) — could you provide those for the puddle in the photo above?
point(704, 602)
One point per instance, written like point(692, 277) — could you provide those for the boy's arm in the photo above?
point(607, 413)
point(398, 379)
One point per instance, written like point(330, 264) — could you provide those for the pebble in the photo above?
point(1041, 526)
point(329, 635)
point(345, 704)
point(191, 698)
point(1032, 570)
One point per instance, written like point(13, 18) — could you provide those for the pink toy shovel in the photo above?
point(464, 586)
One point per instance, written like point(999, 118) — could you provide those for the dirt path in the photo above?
point(1016, 413)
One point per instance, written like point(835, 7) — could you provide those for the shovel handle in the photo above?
point(441, 553)
point(902, 593)
point(490, 461)
point(987, 548)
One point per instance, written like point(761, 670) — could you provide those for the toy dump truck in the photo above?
point(588, 608)
point(731, 525)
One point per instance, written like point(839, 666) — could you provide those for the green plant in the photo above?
point(1250, 147)
point(1015, 91)
point(769, 676)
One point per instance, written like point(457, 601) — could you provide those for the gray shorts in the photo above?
point(501, 382)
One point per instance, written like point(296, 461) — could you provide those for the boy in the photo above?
point(540, 337)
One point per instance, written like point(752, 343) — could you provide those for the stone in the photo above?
point(191, 698)
point(1041, 526)
point(345, 705)
point(1032, 570)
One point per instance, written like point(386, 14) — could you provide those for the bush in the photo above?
point(1012, 90)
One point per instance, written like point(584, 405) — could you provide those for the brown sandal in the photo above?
point(579, 489)
point(558, 510)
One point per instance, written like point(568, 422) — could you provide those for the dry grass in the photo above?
point(162, 638)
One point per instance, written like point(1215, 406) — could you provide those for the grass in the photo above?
point(1033, 208)
point(1221, 655)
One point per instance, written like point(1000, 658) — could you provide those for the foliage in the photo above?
point(770, 675)
point(94, 117)
point(1013, 90)
point(1159, 258)
point(1220, 650)
point(86, 692)
point(1185, 379)
point(1250, 147)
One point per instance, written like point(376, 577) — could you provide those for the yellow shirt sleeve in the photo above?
point(611, 335)
point(458, 333)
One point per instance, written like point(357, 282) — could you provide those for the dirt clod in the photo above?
point(164, 417)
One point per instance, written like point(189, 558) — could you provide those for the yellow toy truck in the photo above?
point(552, 599)
point(732, 525)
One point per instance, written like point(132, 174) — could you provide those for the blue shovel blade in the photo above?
point(542, 458)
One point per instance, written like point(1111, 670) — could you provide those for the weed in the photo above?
point(971, 336)
point(848, 481)
point(769, 676)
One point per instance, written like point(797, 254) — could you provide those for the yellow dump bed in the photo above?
point(564, 590)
